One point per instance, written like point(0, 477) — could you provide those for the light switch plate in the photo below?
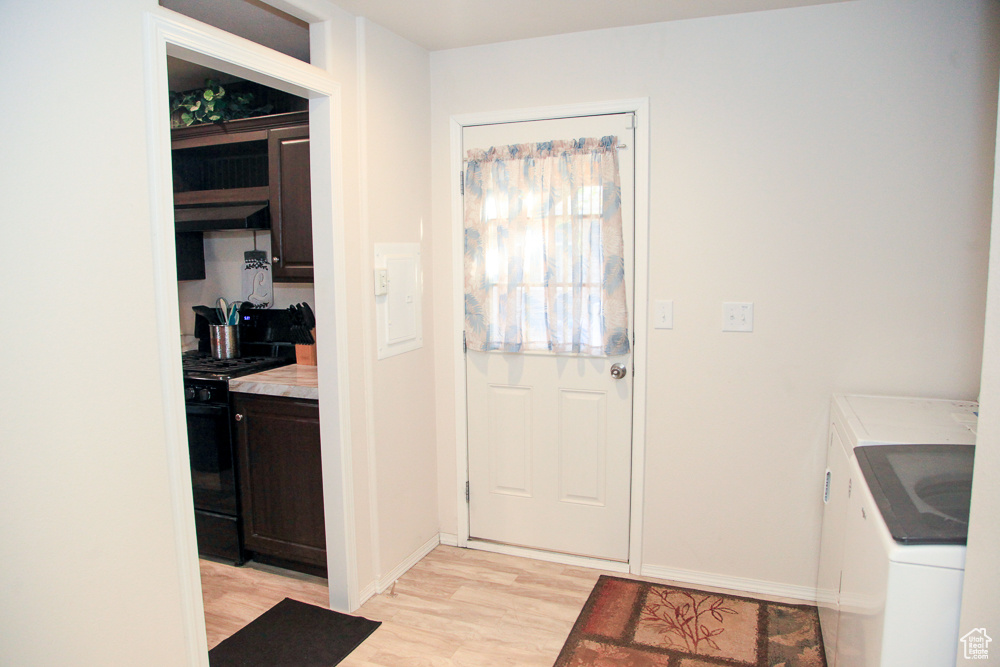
point(663, 314)
point(381, 282)
point(737, 316)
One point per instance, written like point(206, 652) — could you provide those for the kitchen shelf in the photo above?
point(261, 160)
point(227, 196)
point(245, 129)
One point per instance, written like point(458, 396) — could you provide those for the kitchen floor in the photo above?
point(455, 607)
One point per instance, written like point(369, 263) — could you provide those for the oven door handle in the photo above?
point(207, 410)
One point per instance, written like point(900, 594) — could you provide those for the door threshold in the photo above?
point(549, 556)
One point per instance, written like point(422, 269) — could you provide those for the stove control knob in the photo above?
point(204, 394)
point(189, 393)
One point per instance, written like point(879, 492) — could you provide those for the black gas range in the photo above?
point(199, 365)
point(211, 447)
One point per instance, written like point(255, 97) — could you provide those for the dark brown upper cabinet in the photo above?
point(291, 205)
point(261, 160)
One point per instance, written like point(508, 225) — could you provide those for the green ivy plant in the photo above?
point(211, 104)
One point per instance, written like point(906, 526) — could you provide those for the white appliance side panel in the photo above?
point(865, 582)
point(831, 552)
point(922, 611)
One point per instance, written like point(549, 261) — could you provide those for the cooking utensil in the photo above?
point(298, 332)
point(223, 308)
point(310, 317)
point(228, 312)
point(210, 314)
point(308, 322)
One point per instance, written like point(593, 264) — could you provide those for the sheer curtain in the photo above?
point(544, 264)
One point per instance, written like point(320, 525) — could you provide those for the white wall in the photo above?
point(89, 570)
point(396, 132)
point(982, 585)
point(830, 164)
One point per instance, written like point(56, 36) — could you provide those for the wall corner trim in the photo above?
point(387, 580)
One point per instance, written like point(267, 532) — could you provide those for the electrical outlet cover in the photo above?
point(737, 316)
point(663, 314)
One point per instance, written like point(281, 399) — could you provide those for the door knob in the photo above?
point(618, 371)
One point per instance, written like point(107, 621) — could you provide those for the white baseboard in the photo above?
point(387, 580)
point(737, 584)
point(806, 594)
point(366, 593)
point(550, 556)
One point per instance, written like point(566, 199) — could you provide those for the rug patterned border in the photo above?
point(630, 623)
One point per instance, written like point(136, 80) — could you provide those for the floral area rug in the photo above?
point(628, 623)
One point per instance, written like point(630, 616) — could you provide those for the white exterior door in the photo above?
point(550, 437)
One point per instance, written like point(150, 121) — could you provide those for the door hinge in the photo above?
point(461, 183)
point(465, 344)
point(466, 492)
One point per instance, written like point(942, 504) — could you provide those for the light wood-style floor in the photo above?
point(456, 607)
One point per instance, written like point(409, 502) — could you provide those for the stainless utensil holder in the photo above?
point(225, 340)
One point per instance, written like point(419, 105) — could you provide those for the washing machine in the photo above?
point(895, 520)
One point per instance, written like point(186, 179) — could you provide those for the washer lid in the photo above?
point(891, 420)
point(922, 491)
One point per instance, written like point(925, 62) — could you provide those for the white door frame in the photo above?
point(169, 33)
point(640, 107)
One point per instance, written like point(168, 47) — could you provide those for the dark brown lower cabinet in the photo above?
point(281, 480)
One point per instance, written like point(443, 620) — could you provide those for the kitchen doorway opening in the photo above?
point(217, 259)
point(169, 34)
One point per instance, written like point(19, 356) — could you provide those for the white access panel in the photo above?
point(398, 298)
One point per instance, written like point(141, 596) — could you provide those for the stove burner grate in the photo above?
point(203, 364)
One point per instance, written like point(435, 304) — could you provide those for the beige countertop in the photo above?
point(293, 381)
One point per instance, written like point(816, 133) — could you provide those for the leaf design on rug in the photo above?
point(681, 623)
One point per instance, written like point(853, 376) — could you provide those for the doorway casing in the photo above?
point(168, 33)
point(639, 107)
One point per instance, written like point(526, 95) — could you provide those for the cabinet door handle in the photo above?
point(275, 259)
point(239, 417)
